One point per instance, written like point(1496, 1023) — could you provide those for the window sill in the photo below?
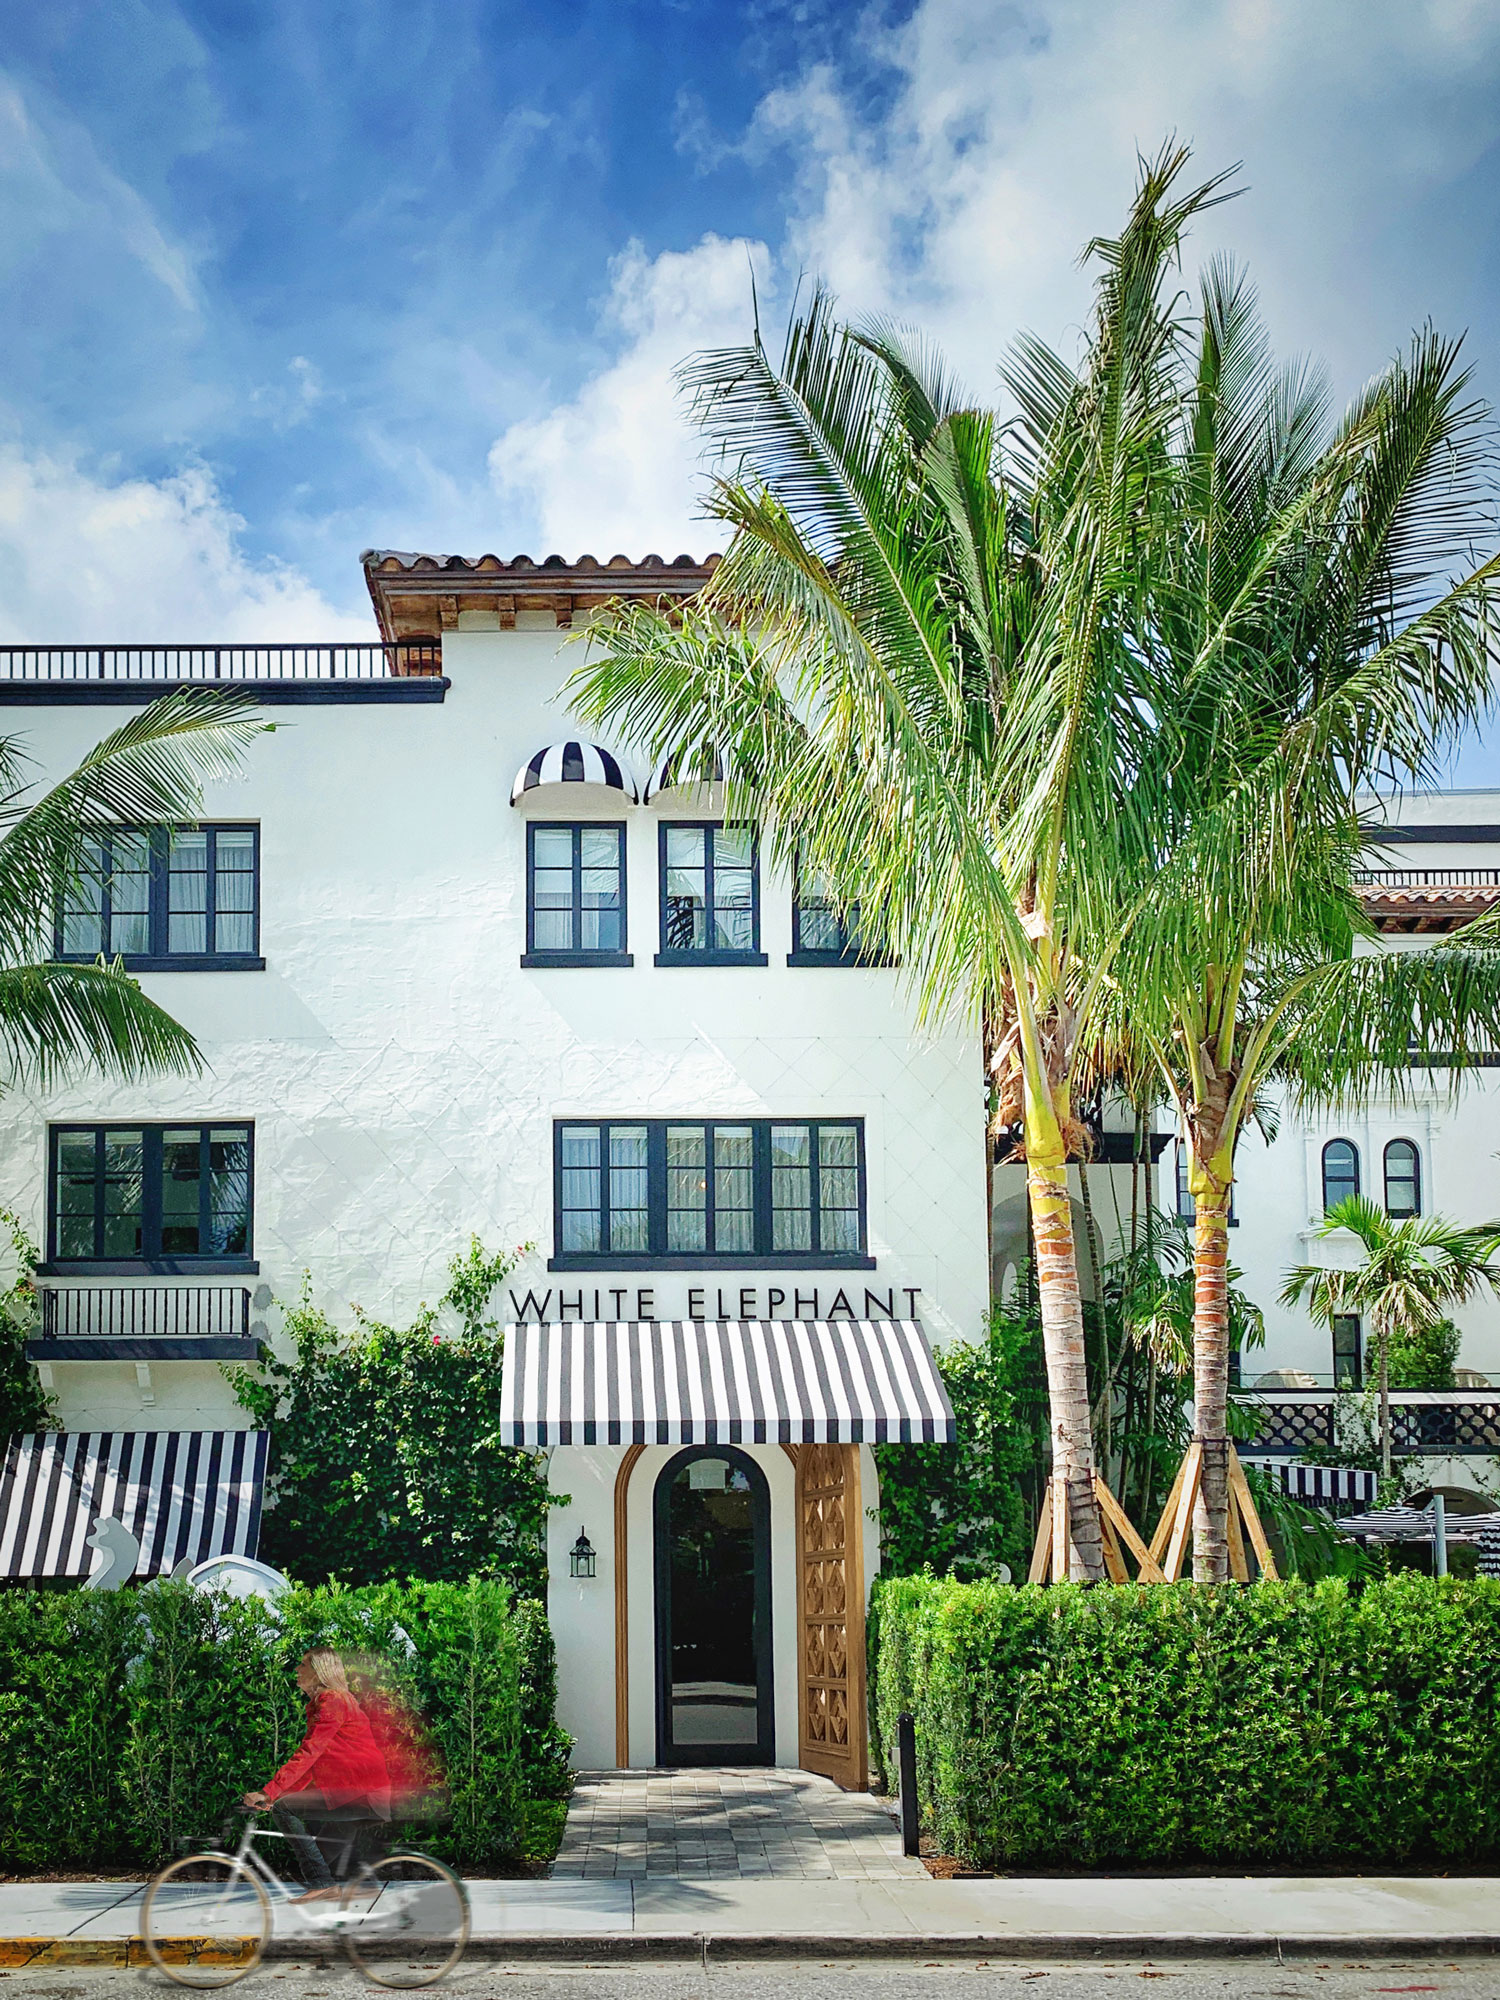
point(542, 961)
point(176, 962)
point(869, 960)
point(786, 1260)
point(711, 958)
point(149, 1267)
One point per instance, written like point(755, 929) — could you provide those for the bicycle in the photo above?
point(206, 1920)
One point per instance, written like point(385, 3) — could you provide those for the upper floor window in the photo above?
point(1403, 1180)
point(824, 932)
point(575, 895)
point(1340, 1172)
point(710, 896)
point(1187, 1208)
point(689, 1194)
point(174, 1196)
point(166, 899)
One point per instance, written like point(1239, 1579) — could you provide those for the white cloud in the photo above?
point(1009, 140)
point(612, 471)
point(156, 561)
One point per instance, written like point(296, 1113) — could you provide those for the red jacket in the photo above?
point(338, 1759)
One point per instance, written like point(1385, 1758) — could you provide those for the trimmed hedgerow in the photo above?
point(1279, 1724)
point(131, 1720)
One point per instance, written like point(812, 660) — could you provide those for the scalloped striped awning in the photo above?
point(737, 1381)
point(685, 767)
point(184, 1495)
point(572, 764)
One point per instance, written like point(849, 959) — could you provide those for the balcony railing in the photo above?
point(1427, 878)
point(144, 1323)
point(331, 660)
point(1460, 1422)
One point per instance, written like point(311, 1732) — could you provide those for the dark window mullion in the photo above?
point(710, 1189)
point(99, 1192)
point(106, 900)
point(760, 1136)
point(862, 1192)
point(606, 1238)
point(211, 894)
point(151, 1190)
point(815, 1185)
point(205, 1183)
point(710, 894)
point(656, 1186)
point(576, 932)
point(158, 864)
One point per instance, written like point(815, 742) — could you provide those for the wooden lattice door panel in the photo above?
point(831, 1622)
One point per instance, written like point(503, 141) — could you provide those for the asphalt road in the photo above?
point(1189, 1979)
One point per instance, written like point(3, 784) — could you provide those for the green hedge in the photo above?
point(130, 1720)
point(1278, 1724)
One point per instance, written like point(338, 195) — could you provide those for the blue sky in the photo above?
point(286, 280)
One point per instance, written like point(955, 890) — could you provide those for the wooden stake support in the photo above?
point(1173, 1537)
point(1051, 1557)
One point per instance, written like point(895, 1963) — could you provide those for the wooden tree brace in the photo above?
point(1173, 1537)
point(1051, 1558)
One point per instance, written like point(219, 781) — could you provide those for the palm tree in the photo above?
point(1413, 1275)
point(910, 662)
point(53, 1017)
point(1313, 625)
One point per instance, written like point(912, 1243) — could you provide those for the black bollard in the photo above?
point(906, 1752)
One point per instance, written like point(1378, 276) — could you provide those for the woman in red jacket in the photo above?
point(335, 1785)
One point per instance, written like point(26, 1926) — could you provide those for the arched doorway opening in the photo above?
point(714, 1694)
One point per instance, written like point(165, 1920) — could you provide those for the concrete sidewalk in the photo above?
point(97, 1922)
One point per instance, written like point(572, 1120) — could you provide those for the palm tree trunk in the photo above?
point(1067, 1368)
point(1383, 1349)
point(1211, 1386)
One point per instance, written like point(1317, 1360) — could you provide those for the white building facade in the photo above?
point(580, 1018)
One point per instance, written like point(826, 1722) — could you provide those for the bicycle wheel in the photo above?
point(205, 1920)
point(406, 1921)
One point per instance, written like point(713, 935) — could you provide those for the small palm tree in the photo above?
point(1413, 1275)
point(56, 1018)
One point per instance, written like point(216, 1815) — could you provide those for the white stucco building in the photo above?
point(455, 972)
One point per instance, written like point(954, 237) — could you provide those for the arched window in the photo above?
point(1340, 1172)
point(1403, 1180)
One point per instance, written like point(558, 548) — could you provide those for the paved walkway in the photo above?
point(743, 1823)
point(1358, 1916)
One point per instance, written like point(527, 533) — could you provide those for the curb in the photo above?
point(614, 1947)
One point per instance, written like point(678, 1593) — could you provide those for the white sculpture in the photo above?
point(120, 1550)
point(238, 1576)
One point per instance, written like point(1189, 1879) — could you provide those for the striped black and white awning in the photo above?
point(572, 764)
point(184, 1495)
point(734, 1381)
point(685, 767)
point(1319, 1485)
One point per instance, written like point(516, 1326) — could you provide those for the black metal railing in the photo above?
point(329, 660)
point(1460, 1421)
point(156, 1312)
point(1427, 878)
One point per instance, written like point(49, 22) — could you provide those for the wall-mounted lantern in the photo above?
point(581, 1560)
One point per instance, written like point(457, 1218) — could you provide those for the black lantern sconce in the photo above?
point(581, 1560)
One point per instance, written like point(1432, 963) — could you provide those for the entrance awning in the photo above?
point(182, 1494)
point(736, 1381)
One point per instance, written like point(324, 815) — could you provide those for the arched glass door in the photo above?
point(713, 1610)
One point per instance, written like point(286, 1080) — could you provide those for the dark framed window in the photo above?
point(688, 1194)
point(166, 899)
point(1348, 1352)
point(825, 932)
point(151, 1197)
point(710, 895)
point(575, 894)
point(1403, 1180)
point(1340, 1172)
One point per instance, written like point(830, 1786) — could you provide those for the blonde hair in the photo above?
point(328, 1669)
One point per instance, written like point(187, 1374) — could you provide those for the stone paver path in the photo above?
point(752, 1822)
